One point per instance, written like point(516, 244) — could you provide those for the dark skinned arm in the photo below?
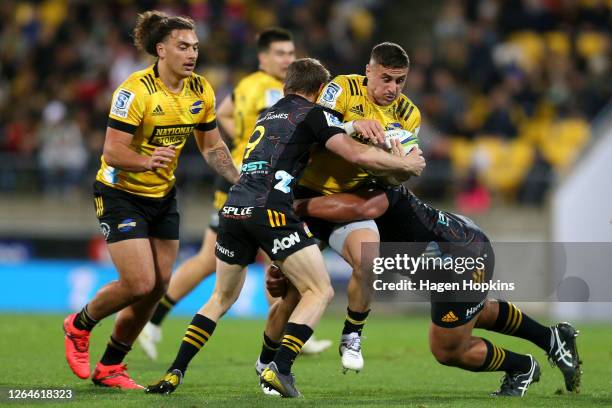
point(364, 204)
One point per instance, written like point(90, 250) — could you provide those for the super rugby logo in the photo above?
point(286, 242)
point(330, 95)
point(171, 135)
point(122, 102)
point(332, 120)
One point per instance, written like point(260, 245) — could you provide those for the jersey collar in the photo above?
point(163, 86)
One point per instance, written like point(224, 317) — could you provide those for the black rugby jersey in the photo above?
point(409, 219)
point(279, 149)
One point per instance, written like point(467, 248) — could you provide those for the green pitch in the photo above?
point(399, 369)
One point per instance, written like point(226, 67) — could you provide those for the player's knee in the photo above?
point(327, 294)
point(356, 264)
point(447, 357)
point(139, 288)
point(225, 298)
point(321, 294)
point(161, 287)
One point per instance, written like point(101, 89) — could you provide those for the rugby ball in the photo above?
point(407, 139)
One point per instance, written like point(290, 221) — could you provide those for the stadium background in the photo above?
point(517, 130)
point(515, 98)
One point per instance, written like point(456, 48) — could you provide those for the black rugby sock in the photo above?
point(115, 352)
point(354, 321)
point(268, 350)
point(499, 359)
point(165, 305)
point(84, 321)
point(197, 334)
point(291, 345)
point(513, 322)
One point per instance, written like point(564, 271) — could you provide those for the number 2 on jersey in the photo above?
point(285, 179)
point(251, 145)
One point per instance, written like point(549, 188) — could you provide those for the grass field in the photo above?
point(399, 368)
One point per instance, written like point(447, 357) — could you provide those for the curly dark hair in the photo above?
point(154, 26)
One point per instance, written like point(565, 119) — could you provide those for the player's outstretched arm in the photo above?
point(216, 154)
point(364, 204)
point(373, 158)
point(225, 116)
point(118, 153)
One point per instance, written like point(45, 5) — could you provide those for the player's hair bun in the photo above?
point(153, 26)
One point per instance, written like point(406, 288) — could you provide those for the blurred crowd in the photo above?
point(510, 88)
point(60, 60)
point(507, 88)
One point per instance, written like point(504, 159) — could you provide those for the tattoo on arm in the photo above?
point(220, 160)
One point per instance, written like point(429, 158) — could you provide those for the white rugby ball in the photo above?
point(407, 139)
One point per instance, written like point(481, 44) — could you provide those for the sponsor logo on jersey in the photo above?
point(122, 102)
point(332, 120)
point(170, 135)
point(252, 167)
point(196, 107)
point(330, 95)
point(285, 243)
point(450, 317)
point(442, 219)
point(241, 213)
point(358, 109)
point(472, 310)
point(105, 229)
point(224, 251)
point(158, 111)
point(126, 225)
point(273, 116)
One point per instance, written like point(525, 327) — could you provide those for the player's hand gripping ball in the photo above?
point(407, 139)
point(408, 142)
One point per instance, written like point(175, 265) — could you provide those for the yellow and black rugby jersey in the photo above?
point(327, 172)
point(253, 94)
point(144, 107)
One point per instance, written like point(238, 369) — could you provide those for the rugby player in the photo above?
point(236, 114)
point(258, 213)
point(377, 96)
point(152, 114)
point(405, 218)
